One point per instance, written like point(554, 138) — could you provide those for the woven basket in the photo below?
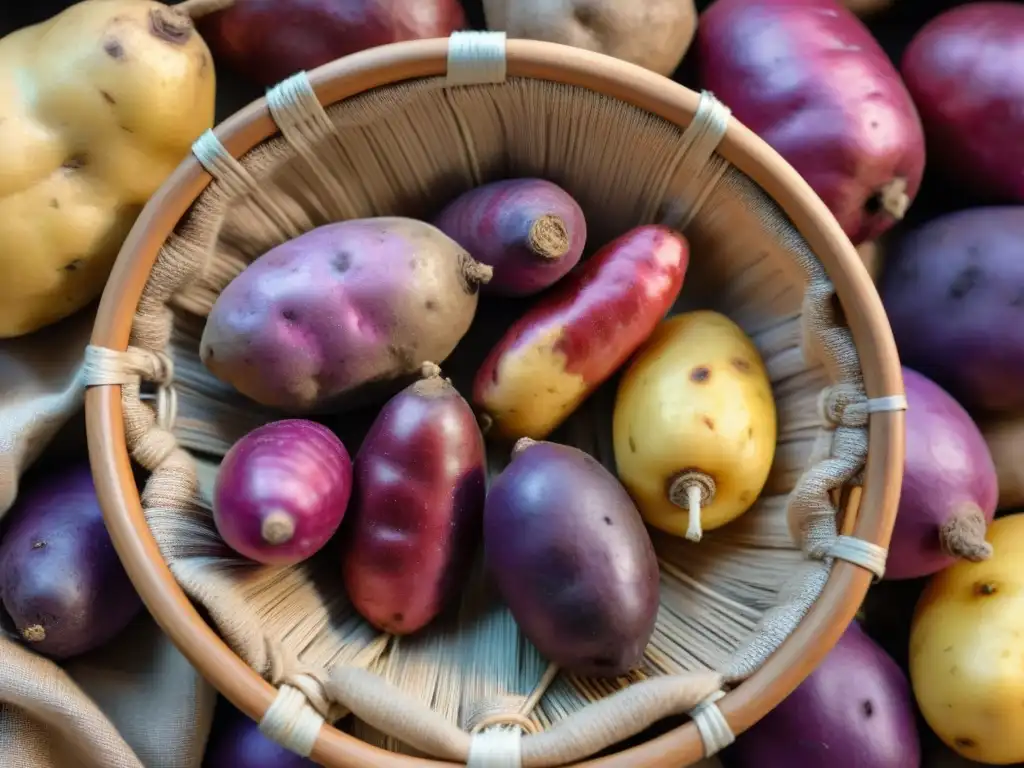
point(745, 614)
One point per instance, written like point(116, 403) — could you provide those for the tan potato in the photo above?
point(652, 33)
point(1005, 438)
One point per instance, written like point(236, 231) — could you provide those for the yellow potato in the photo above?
point(695, 424)
point(967, 651)
point(97, 106)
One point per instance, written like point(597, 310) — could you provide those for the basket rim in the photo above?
point(386, 65)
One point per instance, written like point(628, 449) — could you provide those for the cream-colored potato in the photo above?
point(652, 33)
point(967, 651)
point(97, 106)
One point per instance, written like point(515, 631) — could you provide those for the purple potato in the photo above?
point(63, 589)
point(529, 230)
point(954, 293)
point(342, 314)
point(282, 491)
point(414, 522)
point(572, 559)
point(237, 742)
point(950, 488)
point(854, 711)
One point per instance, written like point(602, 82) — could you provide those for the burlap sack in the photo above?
point(136, 703)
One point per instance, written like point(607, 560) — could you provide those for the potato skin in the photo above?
point(347, 309)
point(953, 290)
point(99, 105)
point(572, 559)
point(854, 711)
point(978, 49)
point(808, 78)
point(696, 397)
point(577, 335)
point(61, 582)
point(414, 521)
point(965, 651)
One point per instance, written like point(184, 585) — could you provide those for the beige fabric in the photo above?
point(41, 387)
point(727, 603)
point(136, 703)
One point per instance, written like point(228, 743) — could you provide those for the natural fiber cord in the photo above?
point(471, 688)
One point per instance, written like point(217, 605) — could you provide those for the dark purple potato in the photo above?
point(531, 231)
point(62, 586)
point(282, 491)
point(854, 711)
point(950, 488)
point(954, 293)
point(976, 49)
point(237, 742)
point(420, 480)
point(572, 559)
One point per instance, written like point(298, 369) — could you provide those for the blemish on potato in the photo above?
point(74, 162)
point(985, 588)
point(40, 544)
point(632, 444)
point(1018, 298)
point(55, 204)
point(750, 433)
point(72, 266)
point(964, 282)
point(113, 49)
point(107, 97)
point(341, 261)
point(289, 315)
point(607, 521)
point(867, 708)
point(964, 742)
point(741, 365)
point(430, 305)
point(708, 422)
point(700, 373)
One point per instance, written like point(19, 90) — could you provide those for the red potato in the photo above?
point(268, 40)
point(417, 506)
point(578, 335)
point(965, 70)
point(529, 230)
point(808, 78)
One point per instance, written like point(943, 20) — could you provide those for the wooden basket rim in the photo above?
point(390, 64)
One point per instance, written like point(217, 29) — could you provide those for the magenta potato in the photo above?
point(530, 231)
point(342, 313)
point(854, 711)
point(572, 559)
point(62, 586)
point(237, 742)
point(964, 69)
point(282, 491)
point(268, 40)
point(808, 78)
point(954, 293)
point(414, 525)
point(949, 486)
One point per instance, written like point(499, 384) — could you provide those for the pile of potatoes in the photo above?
point(359, 313)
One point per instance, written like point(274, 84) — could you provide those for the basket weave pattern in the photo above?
point(473, 690)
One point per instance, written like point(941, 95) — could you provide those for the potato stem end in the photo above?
point(963, 535)
point(277, 528)
point(691, 490)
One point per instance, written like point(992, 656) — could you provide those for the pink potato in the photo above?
point(965, 70)
point(344, 312)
